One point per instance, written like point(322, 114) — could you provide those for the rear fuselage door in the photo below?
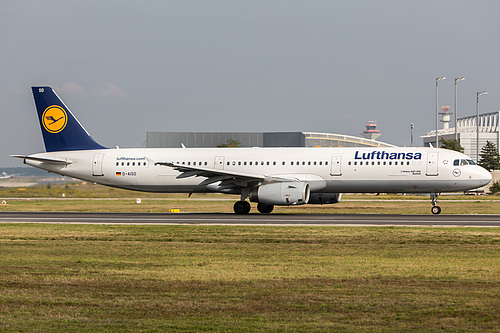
point(97, 164)
point(432, 164)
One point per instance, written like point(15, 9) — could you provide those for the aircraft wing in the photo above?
point(227, 178)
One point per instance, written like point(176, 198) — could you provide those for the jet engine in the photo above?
point(281, 194)
point(325, 198)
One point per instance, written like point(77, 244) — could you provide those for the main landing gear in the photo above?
point(243, 207)
point(265, 208)
point(435, 208)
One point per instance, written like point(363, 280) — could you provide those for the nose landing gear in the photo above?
point(435, 208)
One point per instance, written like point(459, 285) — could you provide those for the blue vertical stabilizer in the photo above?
point(61, 131)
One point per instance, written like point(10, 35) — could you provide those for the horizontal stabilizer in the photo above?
point(43, 159)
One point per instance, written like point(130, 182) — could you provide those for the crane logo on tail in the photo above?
point(54, 119)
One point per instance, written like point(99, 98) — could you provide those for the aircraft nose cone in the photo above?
point(484, 176)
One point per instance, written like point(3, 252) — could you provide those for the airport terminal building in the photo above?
point(257, 139)
point(467, 133)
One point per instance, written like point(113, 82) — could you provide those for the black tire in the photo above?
point(265, 208)
point(241, 207)
point(436, 210)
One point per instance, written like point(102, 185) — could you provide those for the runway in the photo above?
point(251, 219)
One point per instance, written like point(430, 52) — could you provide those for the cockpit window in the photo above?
point(464, 162)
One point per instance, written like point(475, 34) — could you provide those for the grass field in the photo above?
point(88, 278)
point(91, 278)
point(195, 205)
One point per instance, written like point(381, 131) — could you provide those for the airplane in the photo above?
point(4, 175)
point(267, 176)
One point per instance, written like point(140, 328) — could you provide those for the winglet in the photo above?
point(61, 131)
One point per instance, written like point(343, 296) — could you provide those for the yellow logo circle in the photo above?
point(54, 119)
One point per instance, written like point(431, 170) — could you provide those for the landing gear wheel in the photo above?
point(436, 210)
point(265, 208)
point(241, 207)
point(434, 199)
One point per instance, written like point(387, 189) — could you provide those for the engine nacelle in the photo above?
point(325, 198)
point(281, 194)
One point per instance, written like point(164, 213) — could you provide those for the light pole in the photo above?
point(479, 93)
point(456, 110)
point(439, 78)
point(411, 134)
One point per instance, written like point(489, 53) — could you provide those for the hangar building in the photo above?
point(257, 139)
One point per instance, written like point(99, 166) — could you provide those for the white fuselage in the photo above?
point(326, 170)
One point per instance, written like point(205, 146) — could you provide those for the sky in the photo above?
point(128, 67)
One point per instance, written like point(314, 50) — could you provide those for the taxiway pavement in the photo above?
point(251, 219)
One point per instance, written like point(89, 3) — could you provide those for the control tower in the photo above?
point(371, 132)
point(446, 116)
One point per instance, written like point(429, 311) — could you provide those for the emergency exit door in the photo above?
point(336, 166)
point(219, 162)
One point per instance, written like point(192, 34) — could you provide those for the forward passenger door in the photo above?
point(432, 164)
